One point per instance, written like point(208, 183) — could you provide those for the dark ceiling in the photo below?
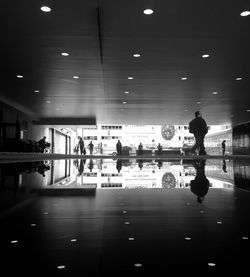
point(171, 42)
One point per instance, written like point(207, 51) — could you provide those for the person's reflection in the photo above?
point(42, 167)
point(140, 164)
point(81, 167)
point(91, 165)
point(159, 164)
point(224, 166)
point(119, 165)
point(200, 185)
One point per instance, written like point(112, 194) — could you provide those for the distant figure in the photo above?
point(43, 144)
point(119, 148)
point(42, 167)
point(119, 165)
point(140, 149)
point(223, 146)
point(198, 127)
point(81, 146)
point(159, 148)
point(91, 147)
point(200, 185)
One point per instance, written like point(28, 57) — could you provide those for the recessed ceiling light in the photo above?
point(184, 78)
point(205, 55)
point(65, 54)
point(215, 92)
point(238, 79)
point(76, 77)
point(61, 267)
point(124, 102)
point(14, 241)
point(136, 55)
point(130, 78)
point(148, 11)
point(198, 102)
point(138, 265)
point(248, 111)
point(19, 76)
point(245, 13)
point(36, 90)
point(48, 102)
point(127, 92)
point(46, 9)
point(211, 264)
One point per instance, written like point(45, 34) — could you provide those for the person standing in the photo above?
point(223, 145)
point(198, 127)
point(119, 148)
point(159, 148)
point(140, 149)
point(91, 147)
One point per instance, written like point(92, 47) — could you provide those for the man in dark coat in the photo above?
point(198, 127)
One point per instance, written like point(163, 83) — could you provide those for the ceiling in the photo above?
point(101, 38)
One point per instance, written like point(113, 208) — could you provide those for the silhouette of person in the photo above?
point(200, 185)
point(159, 148)
point(140, 149)
point(223, 146)
point(198, 127)
point(42, 168)
point(119, 165)
point(81, 146)
point(119, 148)
point(224, 166)
point(91, 147)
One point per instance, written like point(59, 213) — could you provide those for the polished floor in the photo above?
point(125, 218)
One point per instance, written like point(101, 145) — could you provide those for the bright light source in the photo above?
point(130, 78)
point(205, 55)
point(248, 111)
point(124, 102)
point(126, 92)
point(19, 76)
point(76, 77)
point(36, 90)
point(136, 55)
point(61, 267)
point(184, 78)
point(48, 102)
point(245, 13)
point(46, 9)
point(215, 92)
point(148, 11)
point(65, 54)
point(238, 79)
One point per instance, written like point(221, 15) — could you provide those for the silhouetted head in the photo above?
point(197, 114)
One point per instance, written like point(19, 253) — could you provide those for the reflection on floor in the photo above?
point(109, 217)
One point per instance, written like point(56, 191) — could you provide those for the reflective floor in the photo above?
point(125, 217)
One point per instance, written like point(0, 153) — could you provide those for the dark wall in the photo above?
point(241, 139)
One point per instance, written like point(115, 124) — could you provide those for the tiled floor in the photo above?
point(128, 232)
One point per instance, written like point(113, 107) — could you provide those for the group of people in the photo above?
point(80, 146)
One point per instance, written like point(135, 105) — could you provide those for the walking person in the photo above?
point(81, 146)
point(223, 145)
point(198, 127)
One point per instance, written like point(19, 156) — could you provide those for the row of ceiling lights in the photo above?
point(146, 11)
